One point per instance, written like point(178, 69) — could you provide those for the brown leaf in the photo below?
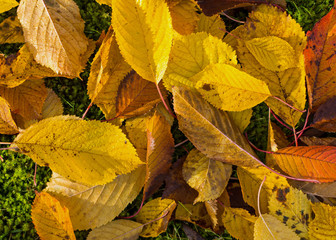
point(191, 233)
point(212, 209)
point(325, 116)
point(136, 96)
point(319, 189)
point(310, 141)
point(7, 124)
point(160, 148)
point(176, 188)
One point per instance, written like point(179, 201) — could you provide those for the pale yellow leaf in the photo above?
point(292, 208)
point(117, 230)
point(213, 25)
point(273, 230)
point(92, 207)
point(52, 105)
point(239, 223)
point(323, 227)
point(191, 54)
point(7, 124)
point(272, 52)
point(211, 130)
point(159, 211)
point(229, 88)
point(250, 180)
point(90, 152)
point(184, 16)
point(51, 220)
point(242, 118)
point(144, 33)
point(107, 71)
point(209, 177)
point(287, 84)
point(11, 31)
point(54, 31)
point(6, 5)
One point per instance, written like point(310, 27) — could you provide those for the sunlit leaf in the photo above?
point(213, 25)
point(184, 16)
point(52, 105)
point(242, 118)
point(7, 5)
point(324, 225)
point(97, 150)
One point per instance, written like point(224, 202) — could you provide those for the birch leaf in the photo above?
point(159, 210)
point(274, 229)
point(230, 89)
point(239, 223)
point(209, 177)
point(7, 124)
point(324, 225)
point(117, 230)
point(92, 207)
point(213, 25)
point(7, 5)
point(211, 130)
point(90, 152)
point(50, 219)
point(146, 42)
point(11, 31)
point(108, 69)
point(64, 44)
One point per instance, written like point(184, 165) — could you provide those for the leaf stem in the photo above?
point(5, 143)
point(279, 121)
point(295, 137)
point(86, 111)
point(164, 102)
point(231, 18)
point(35, 175)
point(181, 143)
point(279, 99)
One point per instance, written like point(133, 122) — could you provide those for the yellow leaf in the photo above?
point(92, 207)
point(117, 230)
point(7, 5)
point(26, 99)
point(144, 33)
point(239, 223)
point(279, 231)
point(229, 88)
point(292, 208)
point(7, 124)
point(323, 227)
point(272, 52)
point(51, 220)
point(211, 130)
point(268, 22)
point(52, 105)
point(191, 54)
point(108, 69)
point(209, 177)
point(250, 180)
point(158, 210)
point(89, 152)
point(17, 68)
point(64, 45)
point(184, 16)
point(11, 31)
point(241, 119)
point(213, 25)
point(160, 149)
point(196, 214)
point(106, 2)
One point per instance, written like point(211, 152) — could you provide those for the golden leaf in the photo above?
point(239, 223)
point(11, 31)
point(324, 225)
point(108, 69)
point(52, 105)
point(274, 229)
point(117, 230)
point(146, 42)
point(213, 25)
point(7, 124)
point(106, 2)
point(241, 119)
point(196, 214)
point(89, 152)
point(50, 219)
point(212, 209)
point(158, 210)
point(292, 208)
point(209, 177)
point(63, 47)
point(211, 130)
point(7, 5)
point(92, 207)
point(229, 88)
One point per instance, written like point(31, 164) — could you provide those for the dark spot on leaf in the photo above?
point(285, 219)
point(206, 87)
point(278, 212)
point(281, 194)
point(47, 164)
point(53, 208)
point(57, 19)
point(314, 47)
point(312, 215)
point(328, 68)
point(67, 237)
point(6, 25)
point(274, 189)
point(298, 231)
point(293, 226)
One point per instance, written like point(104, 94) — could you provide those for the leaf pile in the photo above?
point(155, 49)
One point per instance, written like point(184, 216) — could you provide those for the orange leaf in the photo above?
point(320, 60)
point(313, 162)
point(136, 96)
point(51, 220)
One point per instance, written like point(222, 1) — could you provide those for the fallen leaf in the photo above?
point(241, 119)
point(146, 50)
point(212, 209)
point(11, 31)
point(98, 150)
point(325, 116)
point(213, 25)
point(310, 141)
point(7, 124)
point(50, 219)
point(323, 226)
point(52, 105)
point(327, 190)
point(7, 5)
